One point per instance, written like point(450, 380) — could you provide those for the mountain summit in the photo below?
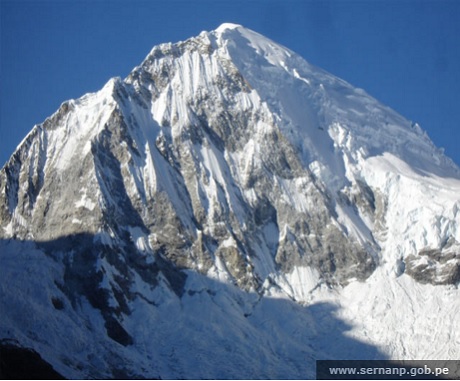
point(228, 211)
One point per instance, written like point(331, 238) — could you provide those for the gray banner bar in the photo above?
point(388, 369)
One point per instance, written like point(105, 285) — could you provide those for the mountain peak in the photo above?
point(226, 182)
point(227, 25)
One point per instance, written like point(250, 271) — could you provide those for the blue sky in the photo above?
point(405, 53)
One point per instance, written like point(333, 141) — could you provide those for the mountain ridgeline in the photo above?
point(226, 211)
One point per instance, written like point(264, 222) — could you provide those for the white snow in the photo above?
point(140, 240)
point(223, 27)
point(422, 208)
point(407, 319)
point(76, 131)
point(299, 283)
point(85, 202)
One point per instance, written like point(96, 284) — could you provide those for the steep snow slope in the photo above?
point(228, 211)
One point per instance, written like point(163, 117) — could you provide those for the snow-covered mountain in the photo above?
point(228, 211)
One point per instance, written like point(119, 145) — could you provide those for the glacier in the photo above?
point(228, 210)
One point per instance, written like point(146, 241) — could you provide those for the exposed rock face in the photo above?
point(436, 266)
point(230, 157)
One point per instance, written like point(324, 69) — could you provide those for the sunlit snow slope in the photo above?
point(228, 211)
